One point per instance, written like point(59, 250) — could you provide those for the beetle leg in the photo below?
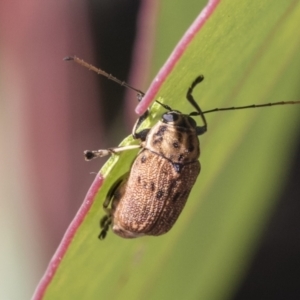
point(106, 220)
point(189, 95)
point(143, 133)
point(90, 154)
point(112, 191)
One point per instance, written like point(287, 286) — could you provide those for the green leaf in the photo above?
point(248, 53)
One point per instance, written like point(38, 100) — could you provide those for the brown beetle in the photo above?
point(150, 197)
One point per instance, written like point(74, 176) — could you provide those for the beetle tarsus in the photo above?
point(89, 155)
point(104, 225)
point(102, 234)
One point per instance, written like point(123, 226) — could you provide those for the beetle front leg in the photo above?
point(91, 154)
point(143, 133)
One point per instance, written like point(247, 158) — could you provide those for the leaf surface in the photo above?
point(248, 52)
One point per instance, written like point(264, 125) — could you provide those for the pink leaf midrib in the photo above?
point(176, 55)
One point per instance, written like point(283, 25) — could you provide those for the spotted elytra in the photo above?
point(150, 197)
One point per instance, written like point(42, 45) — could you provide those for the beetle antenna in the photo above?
point(251, 106)
point(105, 74)
point(167, 107)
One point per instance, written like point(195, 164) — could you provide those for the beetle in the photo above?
point(150, 197)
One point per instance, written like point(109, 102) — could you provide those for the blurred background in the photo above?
point(52, 110)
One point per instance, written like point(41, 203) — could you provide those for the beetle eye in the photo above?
point(170, 117)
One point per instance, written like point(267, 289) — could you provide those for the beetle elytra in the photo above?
point(150, 197)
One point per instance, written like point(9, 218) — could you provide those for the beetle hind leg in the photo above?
point(110, 204)
point(105, 222)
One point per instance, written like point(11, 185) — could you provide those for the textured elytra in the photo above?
point(151, 198)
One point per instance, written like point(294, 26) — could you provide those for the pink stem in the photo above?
point(67, 239)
